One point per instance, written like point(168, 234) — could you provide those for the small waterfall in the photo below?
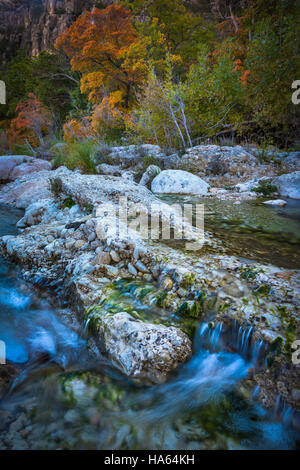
point(243, 342)
point(240, 341)
point(243, 338)
point(215, 336)
point(209, 337)
point(86, 325)
point(283, 412)
point(257, 350)
point(288, 415)
point(235, 338)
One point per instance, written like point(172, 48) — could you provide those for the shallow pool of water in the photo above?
point(251, 229)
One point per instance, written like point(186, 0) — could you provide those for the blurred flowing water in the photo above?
point(29, 325)
point(73, 401)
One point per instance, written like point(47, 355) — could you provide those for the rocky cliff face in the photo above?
point(35, 24)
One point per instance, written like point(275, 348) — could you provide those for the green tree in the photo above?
point(53, 81)
point(15, 77)
point(176, 113)
point(273, 63)
point(47, 76)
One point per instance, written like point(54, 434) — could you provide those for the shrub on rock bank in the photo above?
point(77, 155)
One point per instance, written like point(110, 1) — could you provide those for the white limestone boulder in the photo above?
point(179, 182)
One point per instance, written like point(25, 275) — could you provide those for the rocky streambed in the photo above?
point(139, 343)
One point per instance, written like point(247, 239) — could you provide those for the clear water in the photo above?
point(75, 400)
point(251, 229)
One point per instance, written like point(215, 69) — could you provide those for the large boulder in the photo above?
point(98, 189)
point(26, 168)
point(142, 350)
point(32, 187)
point(8, 163)
point(215, 159)
point(179, 182)
point(289, 185)
point(16, 166)
point(27, 193)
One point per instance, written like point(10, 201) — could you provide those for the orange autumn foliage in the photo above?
point(32, 123)
point(100, 44)
point(238, 65)
point(245, 74)
point(75, 130)
point(245, 77)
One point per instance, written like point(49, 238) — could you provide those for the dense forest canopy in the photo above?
point(170, 72)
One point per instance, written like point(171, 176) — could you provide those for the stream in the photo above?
point(65, 397)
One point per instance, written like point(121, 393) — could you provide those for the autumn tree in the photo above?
point(171, 28)
point(100, 44)
point(32, 123)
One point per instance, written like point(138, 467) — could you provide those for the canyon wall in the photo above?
point(34, 25)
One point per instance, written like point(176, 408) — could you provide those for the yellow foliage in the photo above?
point(75, 130)
point(91, 83)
